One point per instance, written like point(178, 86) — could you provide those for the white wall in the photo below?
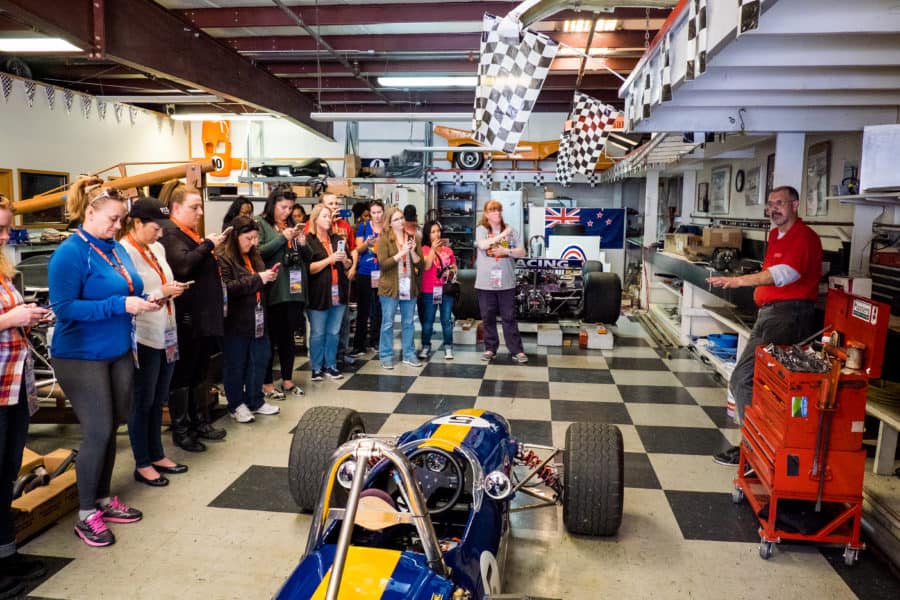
point(53, 140)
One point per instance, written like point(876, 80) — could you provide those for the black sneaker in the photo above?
point(22, 567)
point(332, 373)
point(358, 353)
point(11, 587)
point(729, 458)
point(316, 376)
point(94, 532)
point(119, 512)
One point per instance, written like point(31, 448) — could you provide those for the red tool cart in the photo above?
point(802, 436)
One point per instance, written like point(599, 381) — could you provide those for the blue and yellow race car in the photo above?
point(425, 515)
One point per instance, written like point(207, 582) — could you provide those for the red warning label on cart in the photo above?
point(864, 310)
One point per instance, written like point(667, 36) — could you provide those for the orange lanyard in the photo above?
point(187, 230)
point(118, 266)
point(329, 252)
point(249, 266)
point(405, 260)
point(279, 229)
point(151, 260)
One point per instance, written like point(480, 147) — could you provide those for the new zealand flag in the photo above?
point(608, 223)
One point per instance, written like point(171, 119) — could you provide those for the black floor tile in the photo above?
point(639, 472)
point(358, 363)
point(656, 394)
point(373, 421)
point(433, 404)
point(624, 340)
point(675, 353)
point(713, 517)
point(595, 412)
point(259, 488)
point(514, 389)
point(642, 364)
point(438, 369)
point(379, 383)
point(564, 375)
point(682, 440)
point(533, 432)
point(870, 577)
point(720, 417)
point(53, 564)
point(700, 379)
point(572, 350)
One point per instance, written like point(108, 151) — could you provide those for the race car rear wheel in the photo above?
point(320, 431)
point(591, 266)
point(466, 306)
point(593, 479)
point(469, 160)
point(602, 299)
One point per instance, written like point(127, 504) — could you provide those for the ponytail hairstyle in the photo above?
point(85, 192)
point(7, 269)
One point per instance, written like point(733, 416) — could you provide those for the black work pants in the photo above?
point(283, 320)
point(13, 430)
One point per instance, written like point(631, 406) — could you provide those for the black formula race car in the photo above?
point(425, 515)
point(548, 289)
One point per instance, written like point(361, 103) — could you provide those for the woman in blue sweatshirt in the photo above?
point(95, 292)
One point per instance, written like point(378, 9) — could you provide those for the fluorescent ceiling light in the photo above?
point(429, 82)
point(584, 25)
point(40, 44)
point(163, 99)
point(218, 116)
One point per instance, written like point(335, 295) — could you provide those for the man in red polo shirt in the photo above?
point(786, 292)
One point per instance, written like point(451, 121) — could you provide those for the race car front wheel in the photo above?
point(593, 479)
point(320, 431)
point(469, 160)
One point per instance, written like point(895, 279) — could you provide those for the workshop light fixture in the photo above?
point(584, 25)
point(429, 81)
point(21, 45)
point(219, 116)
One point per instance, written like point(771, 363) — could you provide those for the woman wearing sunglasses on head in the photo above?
point(96, 292)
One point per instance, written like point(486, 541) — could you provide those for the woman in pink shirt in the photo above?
point(440, 268)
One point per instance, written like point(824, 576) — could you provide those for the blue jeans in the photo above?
point(244, 361)
point(407, 314)
point(151, 389)
point(429, 310)
point(324, 330)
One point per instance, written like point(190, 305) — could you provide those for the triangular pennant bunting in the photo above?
point(30, 90)
point(68, 100)
point(132, 114)
point(51, 96)
point(117, 112)
point(86, 103)
point(430, 178)
point(511, 72)
point(101, 110)
point(7, 83)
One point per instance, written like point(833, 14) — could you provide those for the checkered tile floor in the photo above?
point(681, 534)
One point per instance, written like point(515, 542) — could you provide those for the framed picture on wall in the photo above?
point(770, 176)
point(720, 190)
point(751, 190)
point(817, 179)
point(703, 197)
point(32, 183)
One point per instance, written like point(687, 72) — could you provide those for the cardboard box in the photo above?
point(549, 334)
point(340, 186)
point(45, 505)
point(857, 286)
point(723, 237)
point(678, 243)
point(351, 165)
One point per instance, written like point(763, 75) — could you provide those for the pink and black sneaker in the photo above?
point(94, 532)
point(119, 512)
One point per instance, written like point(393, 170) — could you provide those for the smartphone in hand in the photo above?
point(275, 267)
point(445, 242)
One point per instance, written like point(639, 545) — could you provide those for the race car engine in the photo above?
point(547, 288)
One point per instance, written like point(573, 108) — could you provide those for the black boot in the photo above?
point(181, 421)
point(11, 587)
point(200, 414)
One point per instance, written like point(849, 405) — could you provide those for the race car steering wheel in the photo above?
point(441, 477)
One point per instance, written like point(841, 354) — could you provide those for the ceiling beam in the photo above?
point(344, 14)
point(553, 82)
point(462, 66)
point(143, 35)
point(448, 97)
point(437, 108)
point(420, 42)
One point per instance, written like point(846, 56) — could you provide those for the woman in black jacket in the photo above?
point(245, 345)
point(199, 312)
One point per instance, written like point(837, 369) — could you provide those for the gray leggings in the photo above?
point(100, 393)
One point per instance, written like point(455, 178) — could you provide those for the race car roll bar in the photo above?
point(362, 450)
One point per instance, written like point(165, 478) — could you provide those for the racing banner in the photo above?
point(608, 223)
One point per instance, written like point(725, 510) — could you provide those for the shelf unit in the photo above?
point(456, 206)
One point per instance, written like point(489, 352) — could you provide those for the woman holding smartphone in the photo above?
point(440, 267)
point(157, 342)
point(368, 308)
point(399, 255)
point(329, 289)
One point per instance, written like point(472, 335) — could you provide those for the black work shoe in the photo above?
point(208, 432)
point(22, 567)
point(160, 481)
point(11, 587)
point(729, 458)
point(176, 470)
point(188, 443)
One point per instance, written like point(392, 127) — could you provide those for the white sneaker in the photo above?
point(412, 362)
point(448, 353)
point(242, 414)
point(267, 409)
point(424, 353)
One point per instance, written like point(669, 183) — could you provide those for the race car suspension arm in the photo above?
point(539, 468)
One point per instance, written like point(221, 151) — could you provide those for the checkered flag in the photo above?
point(580, 146)
point(430, 177)
point(68, 100)
point(514, 63)
point(7, 82)
point(30, 90)
point(51, 96)
point(592, 178)
point(86, 103)
point(697, 37)
point(665, 94)
point(457, 178)
point(538, 179)
point(487, 171)
point(748, 15)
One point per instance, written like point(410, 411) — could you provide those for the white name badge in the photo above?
point(405, 288)
point(171, 340)
point(496, 277)
point(295, 277)
point(437, 295)
point(260, 321)
point(376, 277)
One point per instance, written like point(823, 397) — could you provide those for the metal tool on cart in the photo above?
point(802, 436)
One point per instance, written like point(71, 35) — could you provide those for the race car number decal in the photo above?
point(490, 573)
point(462, 420)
